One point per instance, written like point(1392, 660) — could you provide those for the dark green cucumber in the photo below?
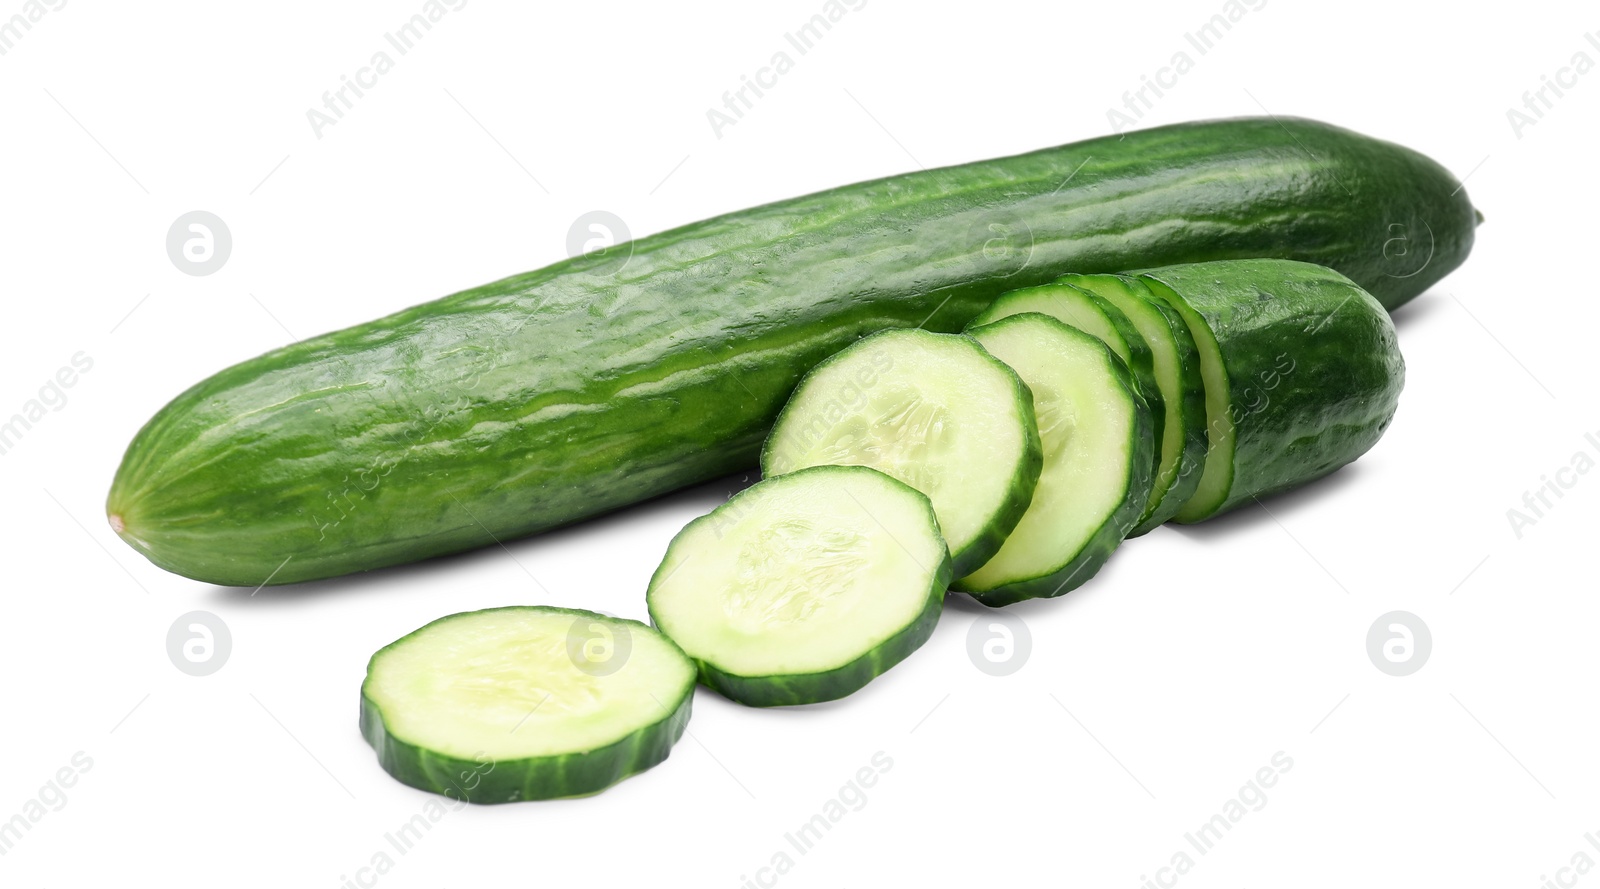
point(1302, 373)
point(1082, 310)
point(1183, 396)
point(525, 703)
point(805, 587)
point(594, 383)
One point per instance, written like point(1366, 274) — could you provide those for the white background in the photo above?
point(1151, 695)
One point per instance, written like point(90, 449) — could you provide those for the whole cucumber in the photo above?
point(595, 383)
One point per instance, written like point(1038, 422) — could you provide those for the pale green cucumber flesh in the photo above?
point(1176, 366)
point(1101, 319)
point(805, 586)
point(525, 703)
point(1098, 460)
point(1217, 475)
point(933, 410)
point(1064, 303)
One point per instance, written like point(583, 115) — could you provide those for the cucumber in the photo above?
point(805, 587)
point(525, 703)
point(933, 410)
point(566, 392)
point(1183, 396)
point(1302, 373)
point(1099, 460)
point(1097, 317)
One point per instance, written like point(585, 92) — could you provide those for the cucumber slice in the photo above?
point(1099, 460)
point(525, 703)
point(933, 410)
point(804, 587)
point(1302, 373)
point(1177, 372)
point(1100, 319)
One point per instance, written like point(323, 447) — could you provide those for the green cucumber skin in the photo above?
point(1019, 490)
point(1344, 377)
point(1139, 362)
point(1191, 407)
point(1097, 551)
point(550, 777)
point(570, 391)
point(534, 778)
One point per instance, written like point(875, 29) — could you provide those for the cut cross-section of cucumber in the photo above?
point(1302, 373)
point(525, 703)
point(1104, 321)
point(1098, 460)
point(1183, 396)
point(804, 587)
point(935, 411)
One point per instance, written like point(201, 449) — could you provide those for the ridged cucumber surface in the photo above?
point(604, 380)
point(1302, 373)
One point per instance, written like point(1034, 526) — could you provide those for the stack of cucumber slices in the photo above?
point(1007, 462)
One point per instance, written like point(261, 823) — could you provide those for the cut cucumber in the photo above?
point(525, 703)
point(1099, 460)
point(804, 587)
point(610, 378)
point(1302, 373)
point(1102, 320)
point(933, 410)
point(1177, 373)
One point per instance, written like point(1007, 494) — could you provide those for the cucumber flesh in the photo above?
point(1216, 475)
point(525, 703)
point(804, 587)
point(933, 410)
point(1102, 320)
point(1302, 373)
point(1098, 460)
point(1176, 365)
